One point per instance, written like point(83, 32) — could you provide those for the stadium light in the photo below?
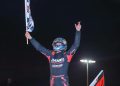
point(87, 62)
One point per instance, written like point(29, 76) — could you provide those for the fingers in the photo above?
point(26, 34)
point(75, 25)
point(78, 23)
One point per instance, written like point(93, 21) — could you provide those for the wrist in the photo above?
point(77, 30)
point(30, 38)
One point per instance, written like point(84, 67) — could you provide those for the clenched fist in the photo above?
point(28, 36)
point(78, 26)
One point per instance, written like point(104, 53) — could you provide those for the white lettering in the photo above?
point(56, 61)
point(57, 66)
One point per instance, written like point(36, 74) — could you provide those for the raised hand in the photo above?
point(28, 36)
point(78, 26)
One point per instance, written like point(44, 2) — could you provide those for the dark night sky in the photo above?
point(99, 39)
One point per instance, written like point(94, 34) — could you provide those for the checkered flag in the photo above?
point(28, 18)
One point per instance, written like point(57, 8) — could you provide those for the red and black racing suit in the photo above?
point(59, 62)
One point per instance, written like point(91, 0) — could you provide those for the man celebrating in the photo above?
point(59, 58)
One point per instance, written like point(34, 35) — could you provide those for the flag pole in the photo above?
point(28, 18)
point(25, 2)
point(27, 40)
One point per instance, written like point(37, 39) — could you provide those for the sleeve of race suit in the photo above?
point(74, 46)
point(40, 48)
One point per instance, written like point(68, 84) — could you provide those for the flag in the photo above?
point(28, 18)
point(99, 80)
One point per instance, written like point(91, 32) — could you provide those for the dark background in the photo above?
point(100, 41)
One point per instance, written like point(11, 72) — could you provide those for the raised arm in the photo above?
point(76, 43)
point(37, 45)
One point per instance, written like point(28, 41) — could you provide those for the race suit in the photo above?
point(59, 62)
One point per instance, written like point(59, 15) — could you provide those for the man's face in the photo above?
point(59, 44)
